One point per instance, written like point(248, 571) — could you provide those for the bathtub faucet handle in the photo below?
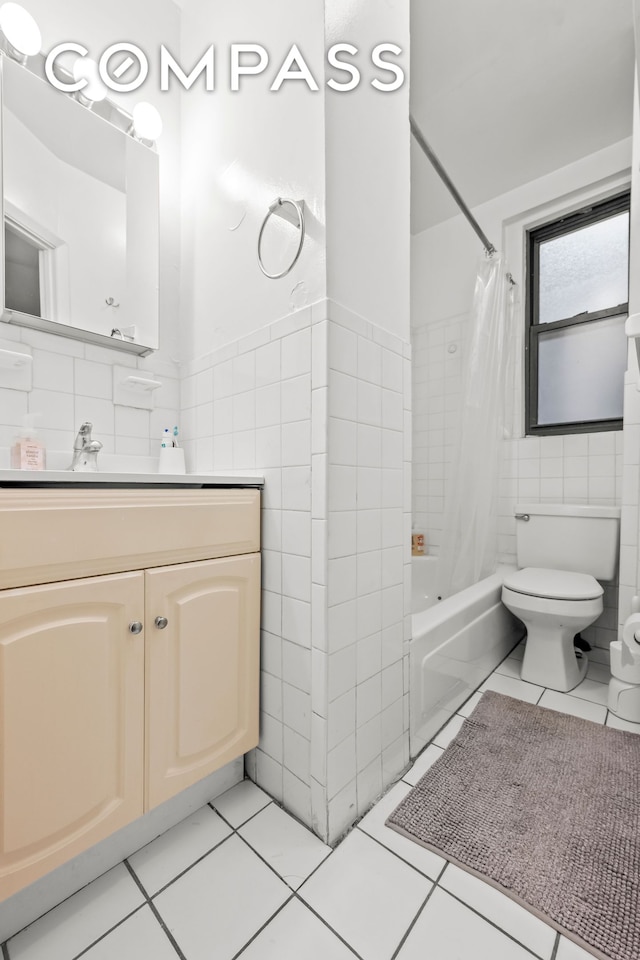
point(523, 516)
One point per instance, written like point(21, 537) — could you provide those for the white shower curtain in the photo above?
point(469, 549)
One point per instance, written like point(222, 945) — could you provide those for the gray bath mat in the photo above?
point(546, 807)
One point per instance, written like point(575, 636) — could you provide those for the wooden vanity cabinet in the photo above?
point(119, 691)
point(202, 670)
point(71, 721)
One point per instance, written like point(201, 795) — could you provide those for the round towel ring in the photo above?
point(293, 212)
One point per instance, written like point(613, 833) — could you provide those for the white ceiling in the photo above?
point(508, 90)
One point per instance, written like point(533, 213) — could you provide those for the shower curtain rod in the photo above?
point(451, 187)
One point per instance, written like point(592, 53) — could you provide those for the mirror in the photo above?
point(80, 239)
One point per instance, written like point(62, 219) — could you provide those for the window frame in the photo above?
point(587, 215)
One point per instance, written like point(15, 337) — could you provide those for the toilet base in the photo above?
point(550, 659)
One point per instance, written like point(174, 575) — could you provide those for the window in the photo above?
point(577, 303)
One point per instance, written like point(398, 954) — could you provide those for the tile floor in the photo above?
point(241, 878)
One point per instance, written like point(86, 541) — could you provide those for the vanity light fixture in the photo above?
point(146, 123)
point(94, 91)
point(20, 32)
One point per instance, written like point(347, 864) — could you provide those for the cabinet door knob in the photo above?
point(135, 627)
point(161, 622)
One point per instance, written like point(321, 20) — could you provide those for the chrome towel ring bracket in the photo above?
point(293, 212)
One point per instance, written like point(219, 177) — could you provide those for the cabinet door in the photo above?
point(202, 670)
point(71, 720)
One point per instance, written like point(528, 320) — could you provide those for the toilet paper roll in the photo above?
point(631, 632)
point(625, 664)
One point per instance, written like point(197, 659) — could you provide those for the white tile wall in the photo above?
point(320, 406)
point(72, 382)
point(368, 459)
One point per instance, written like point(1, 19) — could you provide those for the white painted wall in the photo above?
point(368, 172)
point(240, 151)
point(444, 258)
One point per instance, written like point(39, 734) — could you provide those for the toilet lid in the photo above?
point(554, 584)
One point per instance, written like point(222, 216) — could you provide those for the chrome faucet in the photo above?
point(85, 451)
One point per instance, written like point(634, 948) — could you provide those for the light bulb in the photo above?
point(20, 29)
point(86, 69)
point(147, 122)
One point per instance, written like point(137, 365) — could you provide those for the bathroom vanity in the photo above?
point(129, 654)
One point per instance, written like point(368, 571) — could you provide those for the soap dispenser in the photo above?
point(28, 451)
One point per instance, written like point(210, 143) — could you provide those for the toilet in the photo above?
point(563, 550)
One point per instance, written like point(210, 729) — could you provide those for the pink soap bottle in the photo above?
point(28, 451)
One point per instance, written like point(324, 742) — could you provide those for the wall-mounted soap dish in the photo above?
point(134, 389)
point(14, 359)
point(141, 383)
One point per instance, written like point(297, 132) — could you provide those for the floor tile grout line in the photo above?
point(249, 819)
point(412, 765)
point(170, 937)
point(178, 876)
point(556, 947)
point(405, 936)
point(56, 905)
point(492, 923)
point(5, 951)
point(294, 895)
point(273, 869)
point(399, 855)
point(217, 812)
point(442, 872)
point(315, 869)
point(110, 930)
point(136, 879)
point(325, 923)
point(263, 927)
point(154, 910)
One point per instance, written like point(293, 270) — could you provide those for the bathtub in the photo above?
point(456, 644)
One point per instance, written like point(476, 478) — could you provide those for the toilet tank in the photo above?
point(567, 536)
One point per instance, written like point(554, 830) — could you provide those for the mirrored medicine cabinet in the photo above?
point(79, 249)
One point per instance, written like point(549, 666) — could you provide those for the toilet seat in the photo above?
point(554, 584)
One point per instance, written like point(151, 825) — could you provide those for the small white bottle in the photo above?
point(28, 451)
point(171, 458)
